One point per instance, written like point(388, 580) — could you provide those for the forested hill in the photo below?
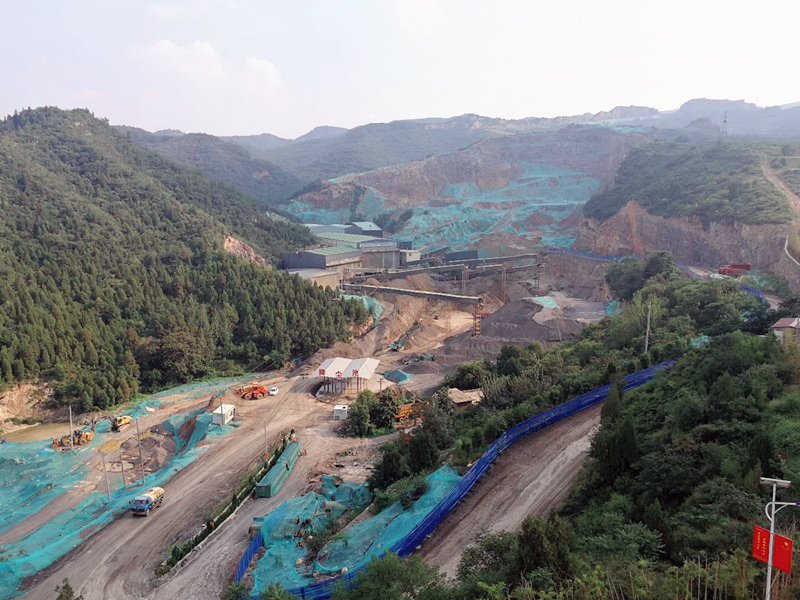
point(112, 272)
point(711, 181)
point(222, 161)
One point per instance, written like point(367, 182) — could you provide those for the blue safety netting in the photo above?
point(32, 475)
point(534, 204)
point(409, 543)
point(374, 306)
point(613, 308)
point(284, 530)
point(362, 542)
point(398, 376)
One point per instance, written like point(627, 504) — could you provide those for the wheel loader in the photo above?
point(79, 438)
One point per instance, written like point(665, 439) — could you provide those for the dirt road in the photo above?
point(119, 560)
point(208, 572)
point(530, 478)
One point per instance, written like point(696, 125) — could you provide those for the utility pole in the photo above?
point(647, 335)
point(71, 441)
point(770, 510)
point(266, 442)
point(141, 458)
point(105, 471)
point(122, 466)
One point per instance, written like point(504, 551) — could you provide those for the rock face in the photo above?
point(633, 230)
point(528, 185)
point(246, 251)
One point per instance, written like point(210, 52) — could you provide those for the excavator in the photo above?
point(79, 438)
point(120, 423)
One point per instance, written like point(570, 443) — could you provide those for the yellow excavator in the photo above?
point(79, 438)
point(120, 423)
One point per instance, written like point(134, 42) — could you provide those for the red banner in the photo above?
point(760, 544)
point(781, 551)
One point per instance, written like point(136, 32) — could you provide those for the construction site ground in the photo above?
point(119, 560)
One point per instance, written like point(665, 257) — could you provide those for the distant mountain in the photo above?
point(322, 132)
point(744, 118)
point(222, 161)
point(262, 141)
point(378, 145)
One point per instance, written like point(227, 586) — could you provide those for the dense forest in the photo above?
point(112, 273)
point(664, 506)
point(711, 181)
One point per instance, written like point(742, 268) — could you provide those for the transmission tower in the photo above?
point(723, 134)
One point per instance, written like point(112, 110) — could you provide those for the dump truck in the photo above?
point(254, 390)
point(142, 505)
point(121, 422)
point(79, 438)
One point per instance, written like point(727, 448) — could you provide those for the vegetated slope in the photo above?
point(711, 181)
point(376, 145)
point(113, 275)
point(225, 162)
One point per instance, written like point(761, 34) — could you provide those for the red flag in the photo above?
point(781, 550)
point(760, 544)
point(782, 554)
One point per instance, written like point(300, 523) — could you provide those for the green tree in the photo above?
point(392, 466)
point(358, 416)
point(65, 592)
point(275, 591)
point(392, 578)
point(423, 451)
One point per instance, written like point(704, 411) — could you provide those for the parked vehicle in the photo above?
point(142, 505)
point(273, 391)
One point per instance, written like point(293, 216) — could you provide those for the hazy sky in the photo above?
point(243, 67)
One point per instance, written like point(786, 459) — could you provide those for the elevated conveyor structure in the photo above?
point(475, 301)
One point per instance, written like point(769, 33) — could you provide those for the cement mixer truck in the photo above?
point(142, 505)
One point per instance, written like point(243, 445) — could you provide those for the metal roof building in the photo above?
point(364, 228)
point(322, 258)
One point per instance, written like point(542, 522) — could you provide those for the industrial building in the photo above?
point(321, 277)
point(337, 239)
point(364, 228)
point(316, 228)
point(328, 259)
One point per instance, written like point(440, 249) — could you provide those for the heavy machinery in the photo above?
point(79, 438)
point(121, 422)
point(254, 390)
point(142, 505)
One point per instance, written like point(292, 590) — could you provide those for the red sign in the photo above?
point(781, 550)
point(322, 372)
point(760, 544)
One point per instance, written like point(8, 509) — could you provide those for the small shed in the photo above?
point(223, 414)
point(787, 330)
point(340, 412)
point(463, 399)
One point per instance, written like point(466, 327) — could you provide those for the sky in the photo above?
point(242, 67)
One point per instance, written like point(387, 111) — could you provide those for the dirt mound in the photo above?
point(158, 447)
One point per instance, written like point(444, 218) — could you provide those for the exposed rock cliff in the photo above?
point(633, 230)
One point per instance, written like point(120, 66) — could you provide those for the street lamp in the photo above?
point(775, 483)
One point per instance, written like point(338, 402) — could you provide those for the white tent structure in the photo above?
point(345, 373)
